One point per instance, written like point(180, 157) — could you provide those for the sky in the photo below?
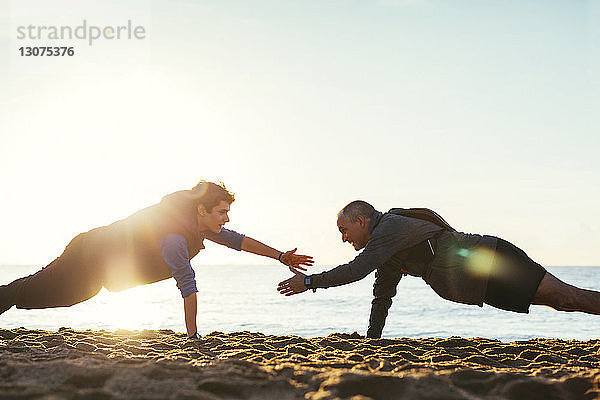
point(485, 111)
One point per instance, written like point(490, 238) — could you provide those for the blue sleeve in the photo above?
point(174, 251)
point(226, 237)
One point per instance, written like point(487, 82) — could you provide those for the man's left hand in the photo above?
point(293, 285)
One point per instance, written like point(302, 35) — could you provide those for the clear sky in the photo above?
point(486, 111)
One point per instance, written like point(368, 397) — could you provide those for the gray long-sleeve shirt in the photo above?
point(390, 234)
point(392, 238)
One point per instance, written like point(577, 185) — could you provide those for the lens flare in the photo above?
point(478, 260)
point(199, 190)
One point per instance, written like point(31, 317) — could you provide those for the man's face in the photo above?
point(355, 232)
point(214, 220)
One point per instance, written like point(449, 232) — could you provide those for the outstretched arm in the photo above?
point(289, 258)
point(364, 263)
point(384, 242)
point(238, 242)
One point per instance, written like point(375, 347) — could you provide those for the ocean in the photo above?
point(244, 298)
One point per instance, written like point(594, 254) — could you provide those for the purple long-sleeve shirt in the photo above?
point(175, 253)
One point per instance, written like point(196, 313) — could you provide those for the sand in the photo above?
point(71, 364)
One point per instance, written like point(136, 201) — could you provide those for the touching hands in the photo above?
point(293, 285)
point(295, 261)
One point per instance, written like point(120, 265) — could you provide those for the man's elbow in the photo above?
point(189, 296)
point(382, 302)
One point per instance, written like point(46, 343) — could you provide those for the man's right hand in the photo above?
point(295, 261)
point(293, 285)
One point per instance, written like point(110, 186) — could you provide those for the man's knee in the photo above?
point(8, 294)
point(555, 293)
point(6, 301)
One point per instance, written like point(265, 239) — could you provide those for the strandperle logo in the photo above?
point(90, 33)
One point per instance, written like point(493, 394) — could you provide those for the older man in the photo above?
point(465, 268)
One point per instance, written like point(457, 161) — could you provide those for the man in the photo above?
point(460, 267)
point(153, 244)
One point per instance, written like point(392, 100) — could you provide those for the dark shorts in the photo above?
point(514, 279)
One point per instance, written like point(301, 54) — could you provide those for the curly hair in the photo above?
point(210, 194)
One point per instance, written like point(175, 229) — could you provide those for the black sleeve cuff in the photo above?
point(309, 283)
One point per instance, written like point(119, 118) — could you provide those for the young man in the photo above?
point(460, 267)
point(153, 244)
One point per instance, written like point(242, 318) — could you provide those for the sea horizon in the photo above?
point(251, 303)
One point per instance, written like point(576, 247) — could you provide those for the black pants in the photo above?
point(67, 280)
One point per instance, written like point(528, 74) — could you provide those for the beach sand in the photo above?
point(71, 364)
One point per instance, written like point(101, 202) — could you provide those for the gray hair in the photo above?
point(356, 208)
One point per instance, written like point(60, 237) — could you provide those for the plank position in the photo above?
point(461, 267)
point(153, 244)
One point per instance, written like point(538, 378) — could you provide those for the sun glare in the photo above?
point(138, 308)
